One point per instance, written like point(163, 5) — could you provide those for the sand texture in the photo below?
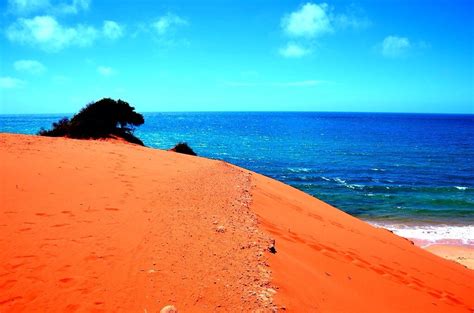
point(329, 261)
point(93, 226)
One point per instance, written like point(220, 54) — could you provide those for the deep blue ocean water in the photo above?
point(388, 167)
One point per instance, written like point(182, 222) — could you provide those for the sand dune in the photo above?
point(329, 261)
point(90, 226)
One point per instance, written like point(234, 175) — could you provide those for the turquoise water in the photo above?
point(390, 168)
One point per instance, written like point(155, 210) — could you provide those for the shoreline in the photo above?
point(426, 234)
point(453, 242)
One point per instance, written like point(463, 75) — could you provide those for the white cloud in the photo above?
point(293, 50)
point(310, 20)
point(25, 7)
point(7, 82)
point(105, 71)
point(47, 34)
point(29, 66)
point(112, 30)
point(394, 46)
point(167, 23)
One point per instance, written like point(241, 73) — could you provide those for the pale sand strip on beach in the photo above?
point(461, 254)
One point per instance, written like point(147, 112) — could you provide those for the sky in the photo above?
point(250, 55)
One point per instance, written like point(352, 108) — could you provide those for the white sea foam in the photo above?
point(325, 178)
point(378, 169)
point(299, 169)
point(431, 234)
point(354, 186)
point(460, 187)
point(345, 184)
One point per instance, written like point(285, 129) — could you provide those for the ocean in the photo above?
point(411, 173)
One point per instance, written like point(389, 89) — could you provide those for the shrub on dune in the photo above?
point(183, 148)
point(102, 119)
point(60, 129)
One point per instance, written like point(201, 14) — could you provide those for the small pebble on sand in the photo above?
point(169, 309)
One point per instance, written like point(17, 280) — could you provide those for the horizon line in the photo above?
point(264, 111)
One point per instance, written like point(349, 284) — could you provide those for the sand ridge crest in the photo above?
point(94, 226)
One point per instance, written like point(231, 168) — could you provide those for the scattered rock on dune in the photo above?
point(169, 309)
point(271, 247)
point(220, 229)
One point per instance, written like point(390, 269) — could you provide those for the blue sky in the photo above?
point(253, 55)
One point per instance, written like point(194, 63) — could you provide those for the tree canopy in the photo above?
point(102, 119)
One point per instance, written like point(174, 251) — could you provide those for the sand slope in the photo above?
point(88, 226)
point(328, 261)
point(109, 227)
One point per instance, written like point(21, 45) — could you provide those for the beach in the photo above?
point(99, 226)
point(458, 253)
point(452, 242)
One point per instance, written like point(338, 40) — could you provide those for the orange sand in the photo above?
point(329, 261)
point(90, 226)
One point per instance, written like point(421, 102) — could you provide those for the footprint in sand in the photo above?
point(7, 284)
point(60, 225)
point(112, 209)
point(316, 247)
point(66, 280)
point(12, 299)
point(42, 214)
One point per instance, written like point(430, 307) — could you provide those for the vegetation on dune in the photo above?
point(183, 148)
point(102, 119)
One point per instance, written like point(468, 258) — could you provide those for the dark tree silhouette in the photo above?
point(60, 129)
point(184, 148)
point(102, 119)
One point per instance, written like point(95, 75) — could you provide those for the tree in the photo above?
point(102, 119)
